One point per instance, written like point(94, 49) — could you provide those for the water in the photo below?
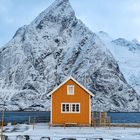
point(130, 117)
point(22, 117)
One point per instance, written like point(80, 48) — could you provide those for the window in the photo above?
point(70, 108)
point(70, 89)
point(77, 107)
point(65, 108)
point(73, 107)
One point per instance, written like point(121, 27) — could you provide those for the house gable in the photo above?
point(71, 78)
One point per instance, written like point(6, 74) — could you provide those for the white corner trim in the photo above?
point(89, 110)
point(51, 111)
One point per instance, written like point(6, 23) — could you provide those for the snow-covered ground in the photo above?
point(80, 133)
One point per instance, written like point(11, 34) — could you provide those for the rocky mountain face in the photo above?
point(55, 45)
point(127, 54)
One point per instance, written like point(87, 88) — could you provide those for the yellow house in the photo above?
point(71, 104)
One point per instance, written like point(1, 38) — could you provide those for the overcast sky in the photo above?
point(119, 18)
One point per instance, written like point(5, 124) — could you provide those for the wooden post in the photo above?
point(124, 125)
point(29, 120)
point(64, 125)
point(108, 121)
point(2, 124)
point(100, 119)
point(33, 123)
point(94, 123)
point(103, 119)
point(49, 125)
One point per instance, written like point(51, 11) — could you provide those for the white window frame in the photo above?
point(65, 107)
point(70, 108)
point(70, 86)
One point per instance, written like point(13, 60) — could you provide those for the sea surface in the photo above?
point(36, 116)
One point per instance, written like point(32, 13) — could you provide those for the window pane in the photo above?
point(70, 89)
point(67, 108)
point(73, 107)
point(77, 107)
point(63, 107)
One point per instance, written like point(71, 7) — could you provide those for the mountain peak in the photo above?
point(60, 1)
point(103, 33)
point(58, 11)
point(104, 36)
point(135, 41)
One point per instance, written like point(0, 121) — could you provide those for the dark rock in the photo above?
point(22, 137)
point(68, 139)
point(94, 139)
point(45, 138)
point(4, 137)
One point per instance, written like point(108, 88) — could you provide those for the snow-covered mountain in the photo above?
point(127, 54)
point(55, 45)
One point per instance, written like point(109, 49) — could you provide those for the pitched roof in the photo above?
point(71, 78)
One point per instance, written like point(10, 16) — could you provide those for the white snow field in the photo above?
point(79, 133)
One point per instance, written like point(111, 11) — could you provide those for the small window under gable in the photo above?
point(70, 89)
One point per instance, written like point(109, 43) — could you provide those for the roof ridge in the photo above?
point(70, 77)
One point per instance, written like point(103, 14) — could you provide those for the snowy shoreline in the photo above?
point(80, 133)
